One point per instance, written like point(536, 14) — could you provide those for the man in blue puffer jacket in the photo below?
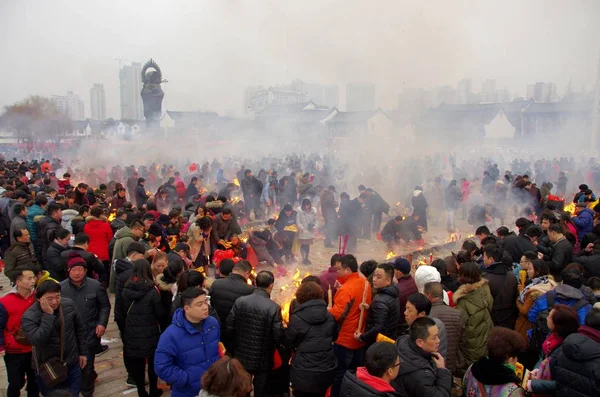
point(584, 221)
point(189, 346)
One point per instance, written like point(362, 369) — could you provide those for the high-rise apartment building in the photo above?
point(98, 102)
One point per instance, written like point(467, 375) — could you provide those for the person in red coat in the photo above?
point(17, 355)
point(100, 233)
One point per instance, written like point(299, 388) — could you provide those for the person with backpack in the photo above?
point(567, 293)
point(540, 283)
point(562, 321)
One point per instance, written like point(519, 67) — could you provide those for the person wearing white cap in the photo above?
point(429, 274)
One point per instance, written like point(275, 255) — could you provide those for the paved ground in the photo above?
point(110, 367)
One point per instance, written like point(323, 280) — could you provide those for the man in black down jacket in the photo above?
point(503, 286)
point(93, 304)
point(576, 363)
point(256, 327)
point(382, 364)
point(80, 248)
point(123, 271)
point(384, 312)
point(517, 245)
point(42, 327)
point(590, 260)
point(561, 252)
point(422, 372)
point(225, 291)
point(45, 230)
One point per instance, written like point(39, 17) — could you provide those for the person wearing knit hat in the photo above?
point(94, 307)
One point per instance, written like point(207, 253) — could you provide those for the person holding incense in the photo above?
point(349, 309)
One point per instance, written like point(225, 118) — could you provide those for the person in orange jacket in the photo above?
point(346, 311)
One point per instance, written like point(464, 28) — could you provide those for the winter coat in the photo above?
point(503, 286)
point(256, 328)
point(561, 256)
point(350, 295)
point(32, 212)
point(452, 197)
point(418, 374)
point(419, 204)
point(406, 287)
point(116, 202)
point(93, 305)
point(563, 294)
point(304, 220)
point(225, 291)
point(45, 235)
point(18, 223)
point(283, 221)
point(122, 240)
point(166, 297)
point(143, 316)
point(100, 234)
point(43, 332)
point(18, 256)
point(584, 222)
point(328, 278)
point(184, 353)
point(310, 333)
point(353, 386)
point(454, 321)
point(259, 244)
point(251, 187)
point(475, 300)
point(383, 316)
point(12, 308)
point(591, 263)
point(351, 214)
point(141, 198)
point(517, 245)
point(523, 324)
point(494, 379)
point(123, 270)
point(223, 229)
point(53, 263)
point(74, 222)
point(575, 365)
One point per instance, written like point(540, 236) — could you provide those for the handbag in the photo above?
point(54, 371)
point(20, 337)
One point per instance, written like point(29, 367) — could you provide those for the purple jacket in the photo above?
point(328, 278)
point(406, 287)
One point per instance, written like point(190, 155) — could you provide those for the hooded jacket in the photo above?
point(418, 374)
point(495, 379)
point(503, 287)
point(476, 302)
point(73, 222)
point(310, 333)
point(256, 327)
point(575, 365)
point(384, 315)
point(43, 332)
point(33, 212)
point(100, 234)
point(143, 316)
point(360, 383)
point(185, 352)
point(12, 308)
point(563, 294)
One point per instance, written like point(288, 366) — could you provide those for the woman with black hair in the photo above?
point(167, 284)
point(143, 319)
point(307, 226)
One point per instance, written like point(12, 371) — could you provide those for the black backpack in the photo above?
point(540, 329)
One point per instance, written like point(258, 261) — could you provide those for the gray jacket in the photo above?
point(43, 332)
point(92, 302)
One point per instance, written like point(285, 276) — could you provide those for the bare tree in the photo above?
point(36, 119)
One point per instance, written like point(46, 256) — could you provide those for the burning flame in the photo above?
point(244, 239)
point(234, 200)
point(112, 216)
point(570, 208)
point(285, 306)
point(390, 255)
point(285, 311)
point(470, 236)
point(453, 237)
point(252, 277)
point(236, 182)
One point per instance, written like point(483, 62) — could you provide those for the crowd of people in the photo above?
point(509, 313)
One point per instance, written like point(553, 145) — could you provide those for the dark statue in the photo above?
point(152, 94)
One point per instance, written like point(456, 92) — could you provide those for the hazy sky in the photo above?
point(211, 50)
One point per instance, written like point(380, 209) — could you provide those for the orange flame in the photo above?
point(390, 255)
point(236, 182)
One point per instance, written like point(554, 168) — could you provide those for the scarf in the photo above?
point(552, 342)
point(535, 281)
